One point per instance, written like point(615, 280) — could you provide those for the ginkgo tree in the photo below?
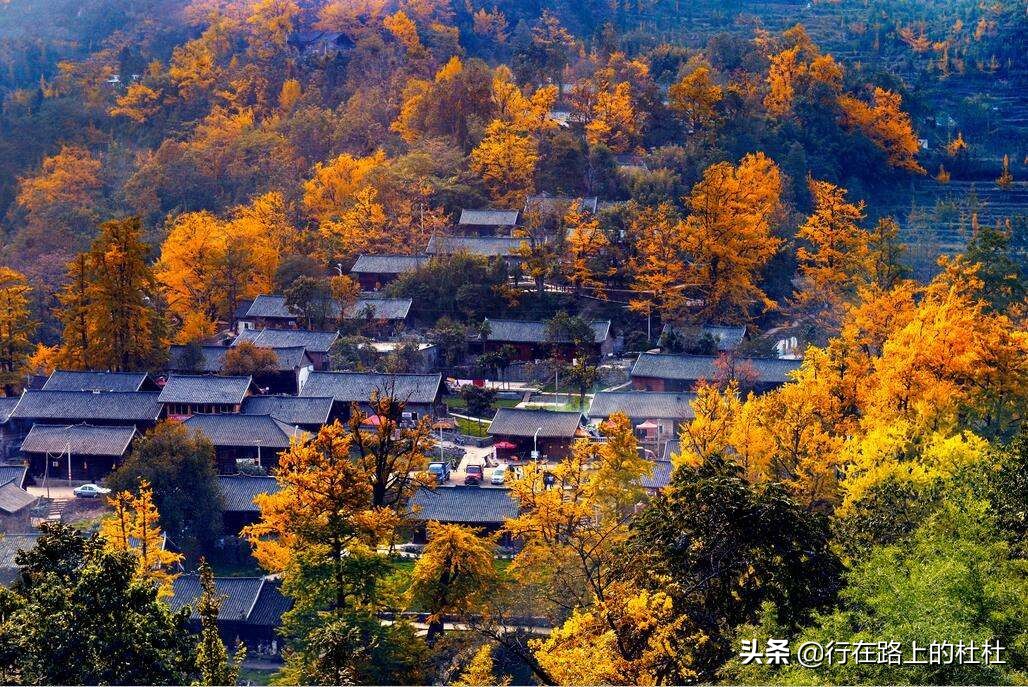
point(16, 327)
point(133, 526)
point(834, 256)
point(320, 532)
point(454, 574)
point(729, 237)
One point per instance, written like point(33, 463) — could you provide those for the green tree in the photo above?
point(212, 659)
point(564, 330)
point(720, 547)
point(83, 617)
point(452, 340)
point(1008, 492)
point(311, 299)
point(180, 466)
point(955, 580)
point(582, 375)
point(479, 399)
point(454, 286)
point(1003, 281)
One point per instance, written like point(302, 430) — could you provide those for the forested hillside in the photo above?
point(513, 341)
point(159, 109)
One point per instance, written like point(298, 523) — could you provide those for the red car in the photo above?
point(473, 475)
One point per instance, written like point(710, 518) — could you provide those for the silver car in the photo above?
point(90, 491)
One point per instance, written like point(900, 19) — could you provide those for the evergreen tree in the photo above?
point(82, 616)
point(212, 659)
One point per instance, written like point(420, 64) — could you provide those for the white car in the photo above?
point(90, 491)
point(499, 475)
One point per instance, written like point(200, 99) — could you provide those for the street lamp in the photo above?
point(535, 444)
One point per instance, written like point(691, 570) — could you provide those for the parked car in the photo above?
point(499, 475)
point(473, 474)
point(440, 470)
point(90, 491)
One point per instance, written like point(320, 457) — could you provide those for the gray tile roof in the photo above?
point(239, 491)
point(238, 595)
point(350, 387)
point(387, 264)
point(697, 367)
point(518, 331)
point(270, 605)
point(13, 498)
point(204, 389)
point(382, 308)
point(7, 404)
point(85, 380)
point(671, 448)
point(293, 410)
point(642, 405)
point(292, 358)
point(126, 406)
point(11, 544)
point(228, 429)
point(728, 338)
point(485, 246)
point(548, 204)
point(84, 440)
point(315, 342)
point(271, 307)
point(659, 477)
point(13, 473)
point(211, 359)
point(488, 218)
point(523, 422)
point(463, 504)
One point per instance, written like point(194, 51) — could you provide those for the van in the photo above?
point(499, 475)
point(440, 470)
point(473, 475)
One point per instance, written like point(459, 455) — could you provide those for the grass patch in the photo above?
point(255, 676)
point(472, 428)
point(459, 404)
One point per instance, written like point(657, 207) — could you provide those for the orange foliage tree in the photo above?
point(16, 327)
point(658, 268)
point(586, 261)
point(615, 122)
point(886, 124)
point(834, 258)
point(695, 97)
point(728, 236)
point(61, 201)
point(209, 264)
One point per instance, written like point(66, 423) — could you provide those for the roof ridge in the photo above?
point(202, 376)
point(256, 596)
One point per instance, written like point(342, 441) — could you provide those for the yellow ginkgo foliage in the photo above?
point(615, 121)
point(631, 637)
point(505, 160)
point(335, 184)
point(480, 672)
point(134, 526)
point(895, 452)
point(209, 264)
point(586, 262)
point(321, 514)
